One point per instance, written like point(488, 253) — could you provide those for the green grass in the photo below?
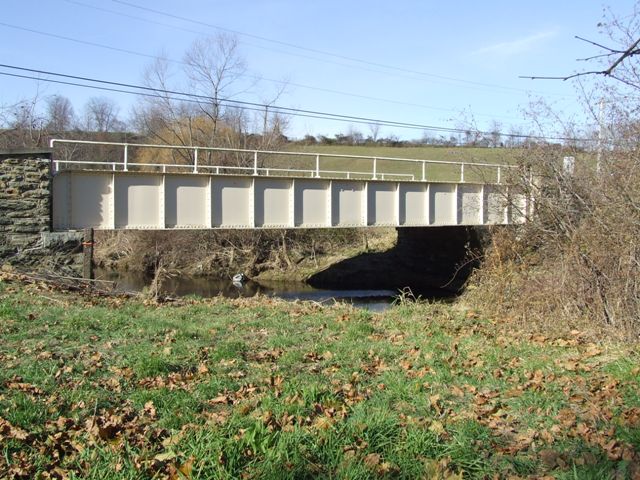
point(388, 168)
point(112, 388)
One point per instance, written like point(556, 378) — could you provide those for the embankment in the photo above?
point(422, 259)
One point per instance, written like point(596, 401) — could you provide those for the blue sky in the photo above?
point(453, 61)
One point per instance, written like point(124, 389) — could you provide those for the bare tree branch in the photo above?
point(612, 50)
point(608, 72)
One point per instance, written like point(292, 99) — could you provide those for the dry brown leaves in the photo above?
point(61, 441)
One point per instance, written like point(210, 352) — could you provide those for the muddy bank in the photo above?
point(263, 254)
point(423, 259)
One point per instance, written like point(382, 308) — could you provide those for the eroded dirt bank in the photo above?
point(422, 259)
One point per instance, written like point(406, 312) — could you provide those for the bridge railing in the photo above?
point(252, 162)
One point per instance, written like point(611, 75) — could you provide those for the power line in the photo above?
point(282, 82)
point(471, 85)
point(254, 106)
point(236, 32)
point(222, 103)
point(317, 51)
point(285, 82)
point(85, 42)
point(380, 99)
point(76, 40)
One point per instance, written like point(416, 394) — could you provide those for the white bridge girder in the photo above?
point(127, 200)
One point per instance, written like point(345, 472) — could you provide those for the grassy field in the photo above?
point(113, 388)
point(389, 168)
point(449, 154)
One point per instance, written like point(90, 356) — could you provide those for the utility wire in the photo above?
point(471, 85)
point(313, 50)
point(199, 32)
point(253, 76)
point(193, 98)
point(223, 103)
point(76, 40)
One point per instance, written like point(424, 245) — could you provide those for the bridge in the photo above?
point(178, 187)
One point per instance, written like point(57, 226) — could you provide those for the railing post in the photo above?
point(195, 160)
point(255, 162)
point(317, 166)
point(424, 171)
point(375, 167)
point(126, 157)
point(499, 175)
point(462, 173)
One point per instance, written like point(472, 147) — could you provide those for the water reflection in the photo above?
point(374, 300)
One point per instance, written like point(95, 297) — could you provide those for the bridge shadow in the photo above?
point(431, 261)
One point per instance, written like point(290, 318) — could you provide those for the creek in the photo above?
point(182, 285)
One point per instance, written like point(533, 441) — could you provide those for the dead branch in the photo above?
point(608, 72)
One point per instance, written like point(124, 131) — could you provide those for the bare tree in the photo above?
point(101, 115)
point(274, 122)
point(577, 259)
point(615, 61)
point(214, 73)
point(374, 131)
point(495, 135)
point(354, 136)
point(60, 114)
point(24, 125)
point(468, 126)
point(213, 68)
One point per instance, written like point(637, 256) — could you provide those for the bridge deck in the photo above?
point(128, 200)
point(129, 195)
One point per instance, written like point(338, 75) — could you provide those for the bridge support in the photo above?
point(87, 254)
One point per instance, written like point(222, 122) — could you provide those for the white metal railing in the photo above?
point(256, 169)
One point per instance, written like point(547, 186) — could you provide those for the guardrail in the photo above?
point(256, 169)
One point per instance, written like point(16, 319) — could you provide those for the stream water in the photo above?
point(372, 299)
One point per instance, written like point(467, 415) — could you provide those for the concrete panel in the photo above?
point(311, 203)
point(382, 204)
point(413, 204)
point(518, 204)
point(232, 202)
point(494, 206)
point(470, 204)
point(442, 204)
point(185, 199)
point(153, 200)
point(137, 201)
point(347, 203)
point(90, 200)
point(272, 202)
point(61, 207)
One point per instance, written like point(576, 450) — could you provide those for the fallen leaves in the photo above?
point(16, 383)
point(440, 376)
point(8, 431)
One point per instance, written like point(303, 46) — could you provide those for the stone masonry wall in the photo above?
point(25, 216)
point(25, 200)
